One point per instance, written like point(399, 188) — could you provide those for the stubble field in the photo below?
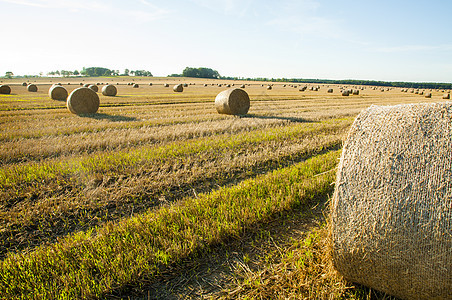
point(159, 196)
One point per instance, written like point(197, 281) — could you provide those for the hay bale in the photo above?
point(93, 87)
point(5, 89)
point(269, 87)
point(242, 86)
point(86, 84)
point(345, 93)
point(232, 101)
point(428, 95)
point(391, 210)
point(178, 88)
point(185, 85)
point(32, 88)
point(57, 92)
point(109, 90)
point(81, 83)
point(166, 85)
point(355, 92)
point(24, 84)
point(135, 86)
point(330, 90)
point(150, 83)
point(83, 101)
point(446, 96)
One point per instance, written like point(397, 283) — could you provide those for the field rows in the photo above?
point(95, 205)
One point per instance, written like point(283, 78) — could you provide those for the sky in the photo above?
point(389, 40)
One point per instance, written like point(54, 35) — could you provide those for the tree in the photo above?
point(76, 73)
point(9, 74)
point(126, 72)
point(200, 73)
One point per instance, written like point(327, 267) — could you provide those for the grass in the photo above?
point(90, 265)
point(108, 205)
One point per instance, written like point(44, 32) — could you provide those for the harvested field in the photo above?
point(157, 185)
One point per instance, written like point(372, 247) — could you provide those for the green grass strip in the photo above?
point(119, 160)
point(87, 265)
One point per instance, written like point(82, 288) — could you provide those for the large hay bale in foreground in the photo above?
point(5, 89)
point(109, 90)
point(57, 92)
point(232, 102)
point(178, 88)
point(83, 101)
point(392, 205)
point(32, 88)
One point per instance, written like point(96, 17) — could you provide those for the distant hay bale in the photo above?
point(24, 84)
point(109, 90)
point(228, 85)
point(81, 83)
point(185, 85)
point(150, 83)
point(178, 88)
point(242, 86)
point(391, 210)
point(83, 101)
point(136, 86)
point(355, 92)
point(232, 101)
point(5, 89)
point(428, 95)
point(345, 93)
point(269, 87)
point(32, 88)
point(93, 87)
point(87, 84)
point(166, 85)
point(446, 96)
point(57, 92)
point(205, 84)
point(330, 90)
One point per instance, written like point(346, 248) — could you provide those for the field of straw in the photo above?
point(157, 196)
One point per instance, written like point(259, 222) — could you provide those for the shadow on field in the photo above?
point(113, 118)
point(291, 119)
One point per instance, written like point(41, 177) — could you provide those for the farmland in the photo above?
point(158, 195)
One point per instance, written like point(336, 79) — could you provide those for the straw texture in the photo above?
point(83, 101)
point(391, 212)
point(57, 92)
point(178, 88)
point(32, 88)
point(93, 87)
point(232, 102)
point(109, 90)
point(5, 89)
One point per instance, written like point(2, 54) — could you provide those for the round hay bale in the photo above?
point(185, 85)
point(135, 86)
point(150, 83)
point(83, 101)
point(81, 83)
point(93, 87)
point(5, 89)
point(242, 86)
point(24, 84)
point(345, 93)
point(109, 90)
point(269, 87)
point(355, 92)
point(330, 90)
point(428, 95)
point(57, 92)
point(86, 84)
point(446, 96)
point(166, 85)
point(32, 88)
point(232, 101)
point(391, 210)
point(205, 84)
point(178, 88)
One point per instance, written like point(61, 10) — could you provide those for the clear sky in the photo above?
point(391, 40)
